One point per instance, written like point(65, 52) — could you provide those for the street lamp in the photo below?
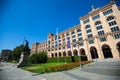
point(78, 43)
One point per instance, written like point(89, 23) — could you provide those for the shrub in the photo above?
point(41, 57)
point(68, 59)
point(33, 58)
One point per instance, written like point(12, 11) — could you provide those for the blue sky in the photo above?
point(34, 19)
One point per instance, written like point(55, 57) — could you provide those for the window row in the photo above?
point(112, 23)
point(115, 29)
point(107, 12)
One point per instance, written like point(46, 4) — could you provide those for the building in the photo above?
point(39, 47)
point(5, 54)
point(98, 35)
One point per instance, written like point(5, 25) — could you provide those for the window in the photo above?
point(86, 21)
point(81, 44)
point(100, 32)
point(73, 36)
point(68, 38)
point(59, 40)
point(80, 38)
point(102, 39)
point(80, 34)
point(73, 32)
point(88, 26)
point(52, 42)
point(78, 30)
point(117, 36)
point(74, 45)
point(107, 12)
point(91, 41)
point(96, 17)
point(48, 42)
point(88, 31)
point(112, 23)
point(52, 46)
point(90, 36)
point(74, 40)
point(59, 48)
point(97, 22)
point(99, 27)
point(114, 29)
point(59, 44)
point(67, 34)
point(110, 18)
point(59, 37)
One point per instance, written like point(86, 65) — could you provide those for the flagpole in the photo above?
point(57, 45)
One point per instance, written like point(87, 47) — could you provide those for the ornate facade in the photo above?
point(98, 35)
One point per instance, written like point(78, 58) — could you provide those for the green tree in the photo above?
point(15, 54)
point(40, 57)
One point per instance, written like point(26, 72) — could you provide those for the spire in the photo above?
point(93, 7)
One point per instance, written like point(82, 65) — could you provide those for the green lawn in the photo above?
point(52, 66)
point(40, 68)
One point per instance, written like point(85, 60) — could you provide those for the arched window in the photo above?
point(97, 22)
point(88, 26)
point(73, 32)
point(110, 18)
point(78, 30)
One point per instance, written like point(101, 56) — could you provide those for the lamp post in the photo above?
point(78, 43)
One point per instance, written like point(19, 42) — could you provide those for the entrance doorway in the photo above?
point(75, 52)
point(69, 53)
point(107, 51)
point(93, 52)
point(64, 53)
point(82, 51)
point(118, 48)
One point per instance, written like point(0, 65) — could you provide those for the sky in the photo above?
point(35, 19)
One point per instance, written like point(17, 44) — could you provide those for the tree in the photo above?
point(15, 54)
point(41, 57)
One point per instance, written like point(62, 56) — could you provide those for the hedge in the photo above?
point(41, 57)
point(68, 59)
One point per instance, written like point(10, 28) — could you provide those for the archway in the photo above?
point(82, 51)
point(93, 52)
point(59, 54)
point(118, 48)
point(69, 53)
point(106, 51)
point(64, 53)
point(75, 52)
point(52, 55)
point(55, 54)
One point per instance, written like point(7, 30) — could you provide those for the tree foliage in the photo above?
point(41, 57)
point(15, 54)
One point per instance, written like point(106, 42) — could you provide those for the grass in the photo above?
point(41, 68)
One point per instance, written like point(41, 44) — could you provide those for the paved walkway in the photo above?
point(108, 69)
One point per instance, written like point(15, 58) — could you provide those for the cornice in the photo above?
point(96, 11)
point(71, 29)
